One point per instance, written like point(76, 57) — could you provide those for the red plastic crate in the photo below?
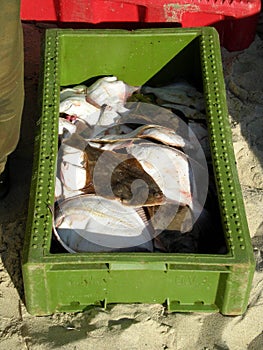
point(235, 20)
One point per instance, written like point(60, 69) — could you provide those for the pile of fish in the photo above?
point(131, 173)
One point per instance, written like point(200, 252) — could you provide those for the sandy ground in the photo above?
point(137, 326)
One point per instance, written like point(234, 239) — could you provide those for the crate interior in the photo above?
point(153, 60)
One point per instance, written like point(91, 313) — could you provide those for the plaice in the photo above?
point(188, 112)
point(71, 166)
point(168, 167)
point(79, 107)
point(111, 91)
point(74, 91)
point(178, 93)
point(151, 114)
point(171, 170)
point(64, 124)
point(93, 223)
point(157, 133)
point(121, 176)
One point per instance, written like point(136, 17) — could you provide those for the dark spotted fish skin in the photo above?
point(125, 176)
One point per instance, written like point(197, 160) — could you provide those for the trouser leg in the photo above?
point(11, 77)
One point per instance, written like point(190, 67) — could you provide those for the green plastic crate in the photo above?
point(184, 282)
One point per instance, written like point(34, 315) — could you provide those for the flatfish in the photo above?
point(78, 106)
point(178, 93)
point(151, 114)
point(90, 223)
point(168, 167)
point(73, 91)
point(157, 133)
point(111, 92)
point(118, 175)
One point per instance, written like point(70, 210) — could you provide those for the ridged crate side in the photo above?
point(39, 223)
point(228, 187)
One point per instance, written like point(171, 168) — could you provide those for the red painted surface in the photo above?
point(235, 20)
